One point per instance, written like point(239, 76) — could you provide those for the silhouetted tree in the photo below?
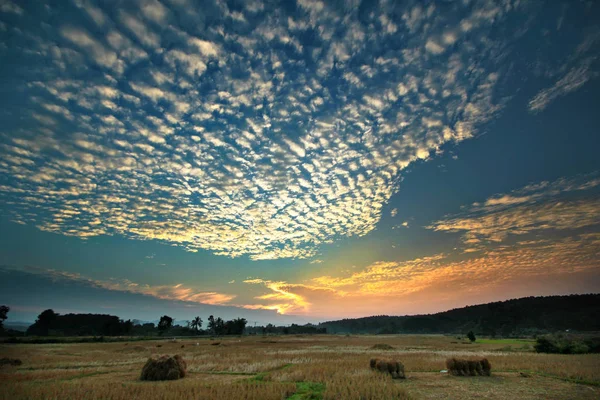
point(43, 323)
point(164, 324)
point(196, 324)
point(3, 311)
point(235, 327)
point(219, 326)
point(211, 324)
point(127, 327)
point(216, 326)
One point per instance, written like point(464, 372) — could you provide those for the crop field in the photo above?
point(295, 367)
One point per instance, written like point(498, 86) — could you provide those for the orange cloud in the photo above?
point(287, 298)
point(178, 292)
point(424, 283)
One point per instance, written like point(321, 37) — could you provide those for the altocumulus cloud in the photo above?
point(246, 131)
point(552, 208)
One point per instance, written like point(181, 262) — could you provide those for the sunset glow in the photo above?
point(296, 162)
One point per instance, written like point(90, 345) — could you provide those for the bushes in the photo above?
point(164, 368)
point(567, 344)
point(462, 367)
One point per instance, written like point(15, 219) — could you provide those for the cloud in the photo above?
point(286, 298)
point(235, 141)
point(7, 6)
point(546, 207)
point(434, 47)
point(580, 68)
point(573, 80)
point(177, 292)
point(97, 52)
point(95, 13)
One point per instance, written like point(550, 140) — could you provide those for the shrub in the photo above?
point(462, 367)
point(567, 344)
point(164, 368)
point(471, 336)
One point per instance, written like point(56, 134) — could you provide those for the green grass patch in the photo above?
point(308, 391)
point(260, 377)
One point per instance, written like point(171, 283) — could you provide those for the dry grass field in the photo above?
point(295, 367)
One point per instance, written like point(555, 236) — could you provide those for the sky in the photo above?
point(296, 161)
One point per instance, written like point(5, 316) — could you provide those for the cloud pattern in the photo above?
point(242, 131)
point(546, 207)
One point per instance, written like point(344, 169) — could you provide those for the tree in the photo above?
point(471, 336)
point(43, 323)
point(3, 311)
point(236, 326)
point(211, 324)
point(219, 326)
point(196, 324)
point(127, 326)
point(216, 325)
point(165, 324)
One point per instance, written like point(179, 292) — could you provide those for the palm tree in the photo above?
point(196, 323)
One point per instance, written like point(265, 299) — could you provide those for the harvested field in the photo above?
point(316, 367)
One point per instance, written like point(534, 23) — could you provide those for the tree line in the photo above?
point(50, 323)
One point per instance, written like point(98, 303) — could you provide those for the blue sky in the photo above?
point(296, 161)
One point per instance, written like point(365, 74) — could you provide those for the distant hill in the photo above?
point(529, 315)
point(17, 325)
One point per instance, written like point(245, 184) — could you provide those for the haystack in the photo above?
point(164, 368)
point(393, 367)
point(381, 346)
point(462, 367)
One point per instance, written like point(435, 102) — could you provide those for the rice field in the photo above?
point(295, 367)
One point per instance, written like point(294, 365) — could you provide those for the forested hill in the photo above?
point(529, 315)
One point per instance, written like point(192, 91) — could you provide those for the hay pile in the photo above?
point(164, 368)
point(10, 361)
point(462, 367)
point(381, 346)
point(393, 367)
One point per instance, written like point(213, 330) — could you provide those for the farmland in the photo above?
point(296, 367)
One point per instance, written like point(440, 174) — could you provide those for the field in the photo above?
point(295, 367)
